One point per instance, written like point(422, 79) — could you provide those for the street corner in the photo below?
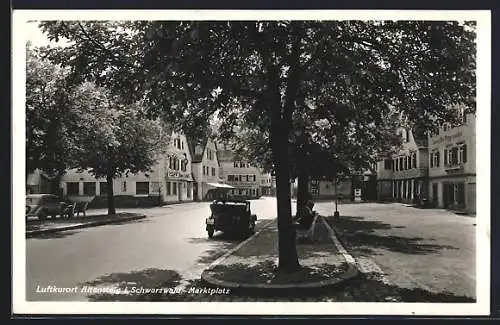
point(253, 268)
point(60, 225)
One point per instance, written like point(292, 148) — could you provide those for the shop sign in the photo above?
point(238, 183)
point(177, 174)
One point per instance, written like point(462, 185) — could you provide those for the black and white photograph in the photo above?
point(315, 162)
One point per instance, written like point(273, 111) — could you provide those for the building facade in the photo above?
point(452, 166)
point(403, 177)
point(245, 178)
point(267, 184)
point(205, 169)
point(169, 180)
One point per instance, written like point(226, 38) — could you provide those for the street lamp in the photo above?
point(336, 214)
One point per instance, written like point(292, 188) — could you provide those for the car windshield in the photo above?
point(32, 199)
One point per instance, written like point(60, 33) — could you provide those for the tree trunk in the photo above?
point(55, 184)
point(288, 260)
point(302, 189)
point(111, 196)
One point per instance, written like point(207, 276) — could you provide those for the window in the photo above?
point(454, 156)
point(213, 171)
point(388, 164)
point(247, 178)
point(401, 166)
point(240, 178)
point(394, 165)
point(230, 178)
point(89, 188)
point(141, 188)
point(103, 188)
point(235, 164)
point(73, 188)
point(169, 189)
point(174, 189)
point(407, 135)
point(462, 115)
point(462, 153)
point(397, 164)
point(445, 157)
point(182, 145)
point(254, 178)
point(435, 159)
point(414, 159)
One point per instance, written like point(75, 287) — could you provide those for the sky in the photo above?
point(36, 36)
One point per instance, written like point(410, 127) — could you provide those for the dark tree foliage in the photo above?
point(270, 73)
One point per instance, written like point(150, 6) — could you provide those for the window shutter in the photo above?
point(437, 159)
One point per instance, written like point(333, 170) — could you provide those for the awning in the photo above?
point(220, 185)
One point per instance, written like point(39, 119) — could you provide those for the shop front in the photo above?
point(179, 186)
point(457, 194)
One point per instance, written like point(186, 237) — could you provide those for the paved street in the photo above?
point(428, 249)
point(173, 239)
point(429, 252)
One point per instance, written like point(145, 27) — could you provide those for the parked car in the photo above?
point(230, 215)
point(43, 205)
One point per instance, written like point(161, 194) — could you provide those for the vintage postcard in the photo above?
point(298, 162)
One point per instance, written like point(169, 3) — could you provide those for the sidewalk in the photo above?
point(426, 254)
point(34, 228)
point(251, 267)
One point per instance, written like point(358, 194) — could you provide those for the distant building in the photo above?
point(170, 180)
point(205, 167)
point(267, 184)
point(440, 168)
point(403, 177)
point(324, 189)
point(240, 174)
point(38, 182)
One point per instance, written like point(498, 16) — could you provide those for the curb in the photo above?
point(348, 257)
point(83, 225)
point(350, 273)
point(231, 251)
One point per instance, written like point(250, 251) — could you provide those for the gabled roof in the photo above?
point(193, 145)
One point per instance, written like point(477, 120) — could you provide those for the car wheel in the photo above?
point(252, 227)
point(210, 232)
point(42, 216)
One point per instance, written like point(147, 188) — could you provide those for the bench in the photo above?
point(307, 234)
point(78, 207)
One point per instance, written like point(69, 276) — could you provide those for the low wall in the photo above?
point(125, 201)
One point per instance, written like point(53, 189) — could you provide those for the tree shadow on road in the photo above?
point(360, 236)
point(55, 235)
point(219, 244)
point(131, 286)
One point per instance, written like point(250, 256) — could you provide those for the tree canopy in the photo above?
point(270, 74)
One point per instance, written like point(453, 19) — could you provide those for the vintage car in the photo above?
point(230, 216)
point(43, 205)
